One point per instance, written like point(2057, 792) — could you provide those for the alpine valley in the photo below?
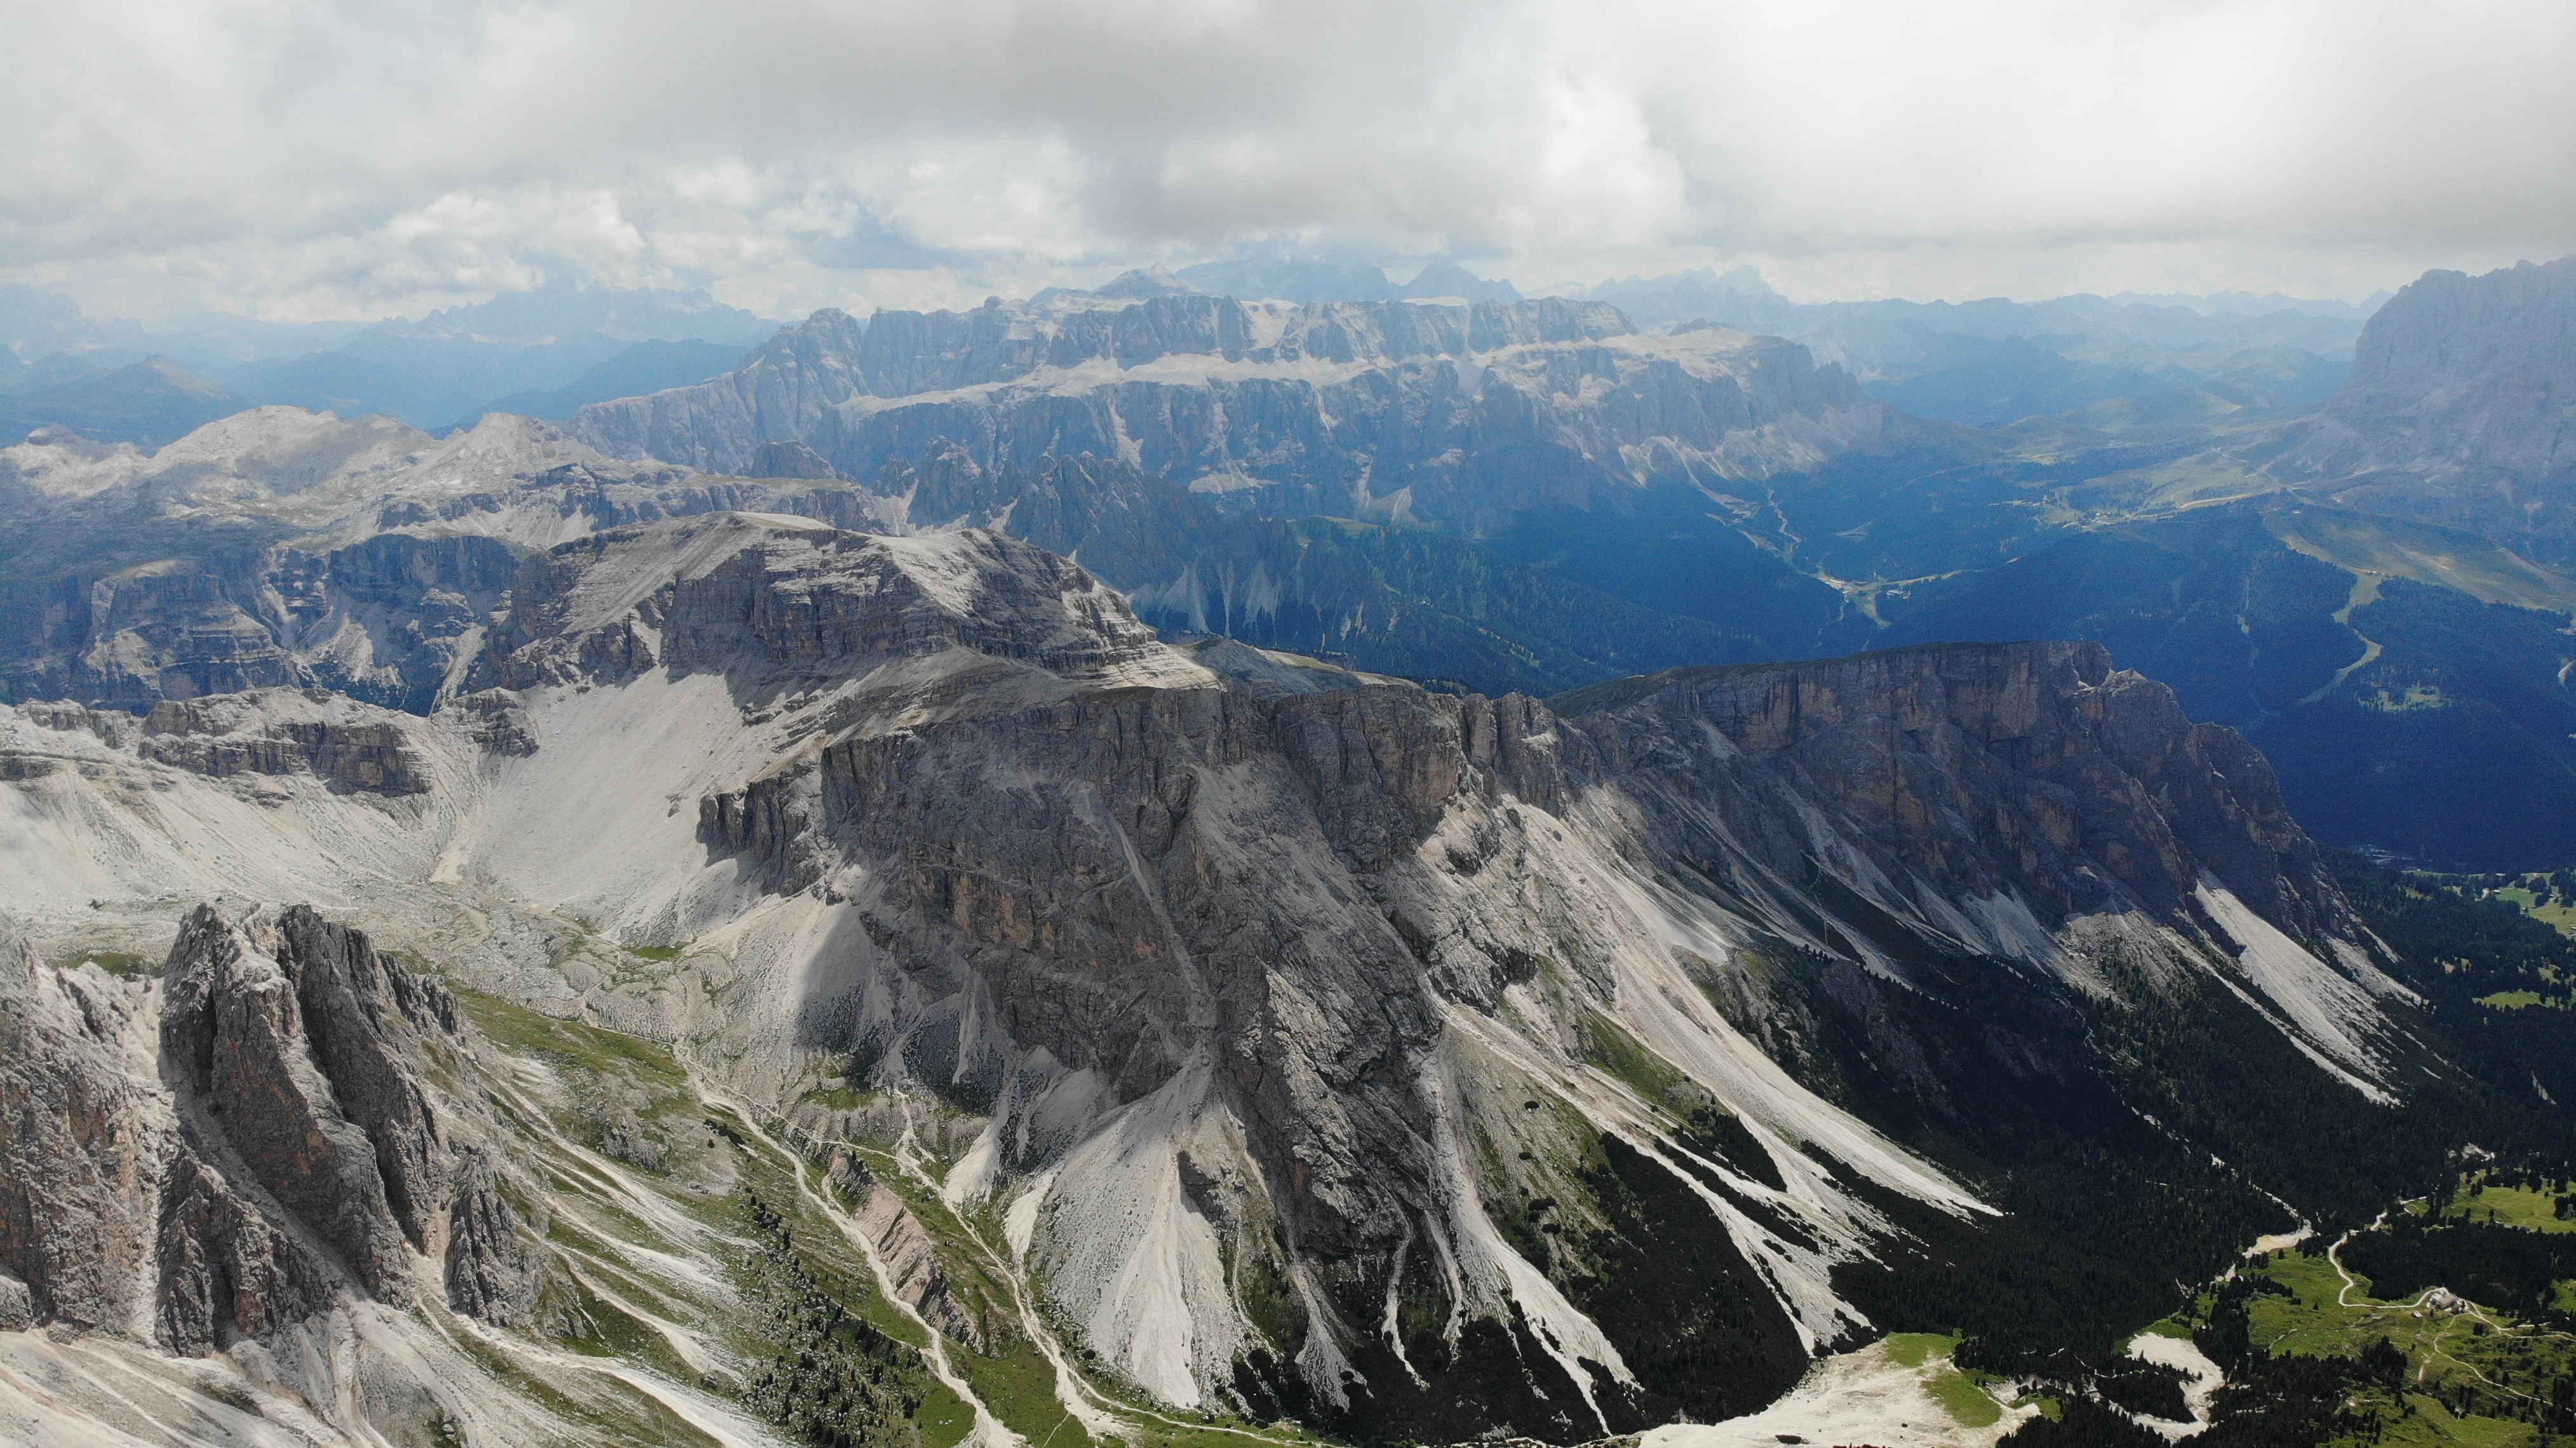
point(1371, 865)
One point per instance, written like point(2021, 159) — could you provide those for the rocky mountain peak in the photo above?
point(768, 597)
point(224, 1153)
point(2457, 409)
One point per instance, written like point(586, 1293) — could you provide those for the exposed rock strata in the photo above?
point(85, 1142)
point(773, 600)
point(1461, 414)
point(1259, 919)
point(285, 732)
point(903, 1249)
point(306, 733)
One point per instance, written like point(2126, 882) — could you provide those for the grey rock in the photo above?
point(1268, 673)
point(385, 620)
point(285, 732)
point(289, 1151)
point(489, 1270)
point(84, 1142)
point(17, 1305)
point(791, 460)
point(282, 1064)
point(1132, 882)
point(770, 605)
point(224, 1273)
point(1981, 769)
point(2456, 411)
point(497, 720)
point(1439, 412)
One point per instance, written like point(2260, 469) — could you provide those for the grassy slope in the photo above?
point(2485, 1351)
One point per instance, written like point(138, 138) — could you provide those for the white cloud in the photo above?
point(299, 157)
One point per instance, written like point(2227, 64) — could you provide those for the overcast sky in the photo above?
point(300, 159)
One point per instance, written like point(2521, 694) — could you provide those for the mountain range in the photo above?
point(1158, 865)
point(542, 353)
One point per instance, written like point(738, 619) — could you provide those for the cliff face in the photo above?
point(2458, 409)
point(84, 1146)
point(1323, 940)
point(2030, 771)
point(1317, 1045)
point(279, 733)
point(767, 600)
point(227, 1153)
point(1460, 414)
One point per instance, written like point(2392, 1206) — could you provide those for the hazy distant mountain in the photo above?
point(1280, 279)
point(533, 348)
point(1991, 362)
point(427, 381)
point(1682, 296)
point(1322, 281)
point(36, 324)
point(1144, 283)
point(561, 309)
point(2246, 304)
point(151, 402)
point(2462, 409)
point(644, 367)
point(1989, 381)
point(1445, 278)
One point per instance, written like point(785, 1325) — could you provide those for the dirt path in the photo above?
point(989, 1430)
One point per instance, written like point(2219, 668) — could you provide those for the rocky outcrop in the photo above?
point(2457, 410)
point(286, 732)
point(903, 1249)
point(389, 620)
point(224, 1273)
point(282, 735)
point(286, 1059)
point(1274, 1012)
point(85, 1141)
point(487, 1269)
point(1287, 916)
point(223, 1154)
point(768, 601)
point(295, 1052)
point(173, 628)
point(791, 460)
